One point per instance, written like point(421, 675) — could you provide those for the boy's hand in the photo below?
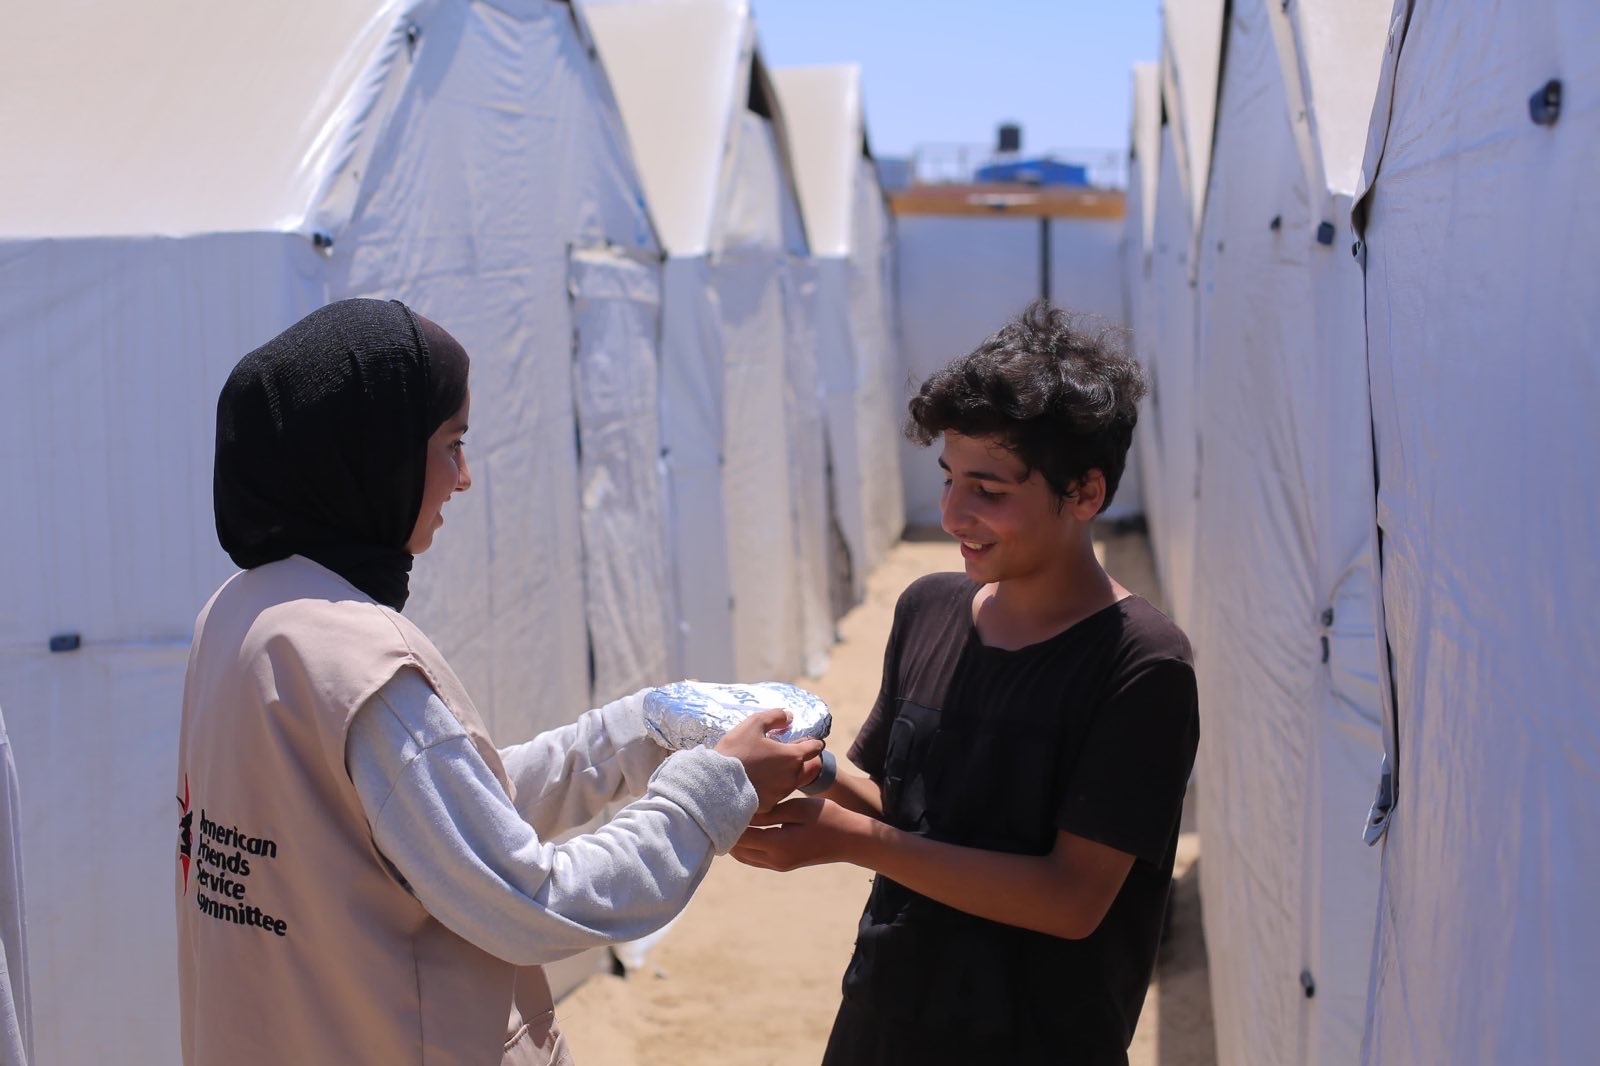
point(775, 769)
point(800, 832)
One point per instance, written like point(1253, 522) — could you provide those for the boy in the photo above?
point(1029, 748)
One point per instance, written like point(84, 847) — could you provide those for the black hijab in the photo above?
point(322, 439)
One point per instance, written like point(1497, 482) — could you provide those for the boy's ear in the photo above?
point(1085, 502)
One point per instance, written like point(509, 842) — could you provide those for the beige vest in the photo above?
point(296, 943)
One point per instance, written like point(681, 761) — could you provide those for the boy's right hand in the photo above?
point(775, 769)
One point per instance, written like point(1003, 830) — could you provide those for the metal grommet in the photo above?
point(1544, 106)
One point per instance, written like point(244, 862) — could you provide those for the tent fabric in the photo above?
point(757, 472)
point(851, 245)
point(1335, 45)
point(1145, 140)
point(307, 86)
point(1167, 352)
point(822, 107)
point(16, 1019)
point(677, 68)
point(842, 382)
point(1480, 242)
point(1138, 237)
point(719, 175)
point(452, 156)
point(880, 367)
point(1291, 742)
point(765, 471)
point(692, 433)
point(811, 510)
point(1191, 56)
point(93, 733)
point(616, 307)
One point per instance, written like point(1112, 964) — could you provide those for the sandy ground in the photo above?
point(749, 975)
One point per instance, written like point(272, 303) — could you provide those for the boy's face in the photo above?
point(1010, 525)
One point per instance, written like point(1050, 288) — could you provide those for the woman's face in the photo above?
point(446, 475)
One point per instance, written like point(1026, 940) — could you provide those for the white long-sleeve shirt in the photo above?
point(486, 869)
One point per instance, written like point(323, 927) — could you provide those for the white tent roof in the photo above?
point(1340, 47)
point(822, 108)
point(151, 86)
point(679, 70)
point(1191, 57)
point(1147, 143)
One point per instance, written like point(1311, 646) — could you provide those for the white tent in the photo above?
point(16, 1014)
point(850, 236)
point(742, 422)
point(1482, 249)
point(1283, 607)
point(1191, 57)
point(1165, 347)
point(184, 181)
point(973, 256)
point(1173, 130)
point(1138, 240)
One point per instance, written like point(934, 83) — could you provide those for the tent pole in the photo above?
point(1044, 257)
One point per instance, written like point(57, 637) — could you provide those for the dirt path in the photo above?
point(749, 975)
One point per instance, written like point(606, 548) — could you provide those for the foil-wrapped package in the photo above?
point(691, 714)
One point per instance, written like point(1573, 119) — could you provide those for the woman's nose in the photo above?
point(463, 475)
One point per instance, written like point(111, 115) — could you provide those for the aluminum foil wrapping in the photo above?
point(690, 714)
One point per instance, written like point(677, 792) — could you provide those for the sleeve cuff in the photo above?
point(713, 789)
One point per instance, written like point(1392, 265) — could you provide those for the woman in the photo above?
point(363, 876)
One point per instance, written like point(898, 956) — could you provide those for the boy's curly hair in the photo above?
point(1060, 393)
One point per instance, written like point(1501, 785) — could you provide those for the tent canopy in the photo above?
point(681, 72)
point(822, 109)
point(85, 158)
point(1191, 60)
point(1146, 141)
point(1339, 47)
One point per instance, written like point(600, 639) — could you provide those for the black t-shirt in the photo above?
point(1092, 731)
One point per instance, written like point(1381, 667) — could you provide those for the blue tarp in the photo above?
point(1035, 172)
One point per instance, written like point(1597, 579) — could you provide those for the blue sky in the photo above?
point(937, 71)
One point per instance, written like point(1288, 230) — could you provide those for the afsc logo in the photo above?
point(185, 828)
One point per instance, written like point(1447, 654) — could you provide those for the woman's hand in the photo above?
point(775, 769)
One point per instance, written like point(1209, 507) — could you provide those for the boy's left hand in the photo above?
point(796, 833)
